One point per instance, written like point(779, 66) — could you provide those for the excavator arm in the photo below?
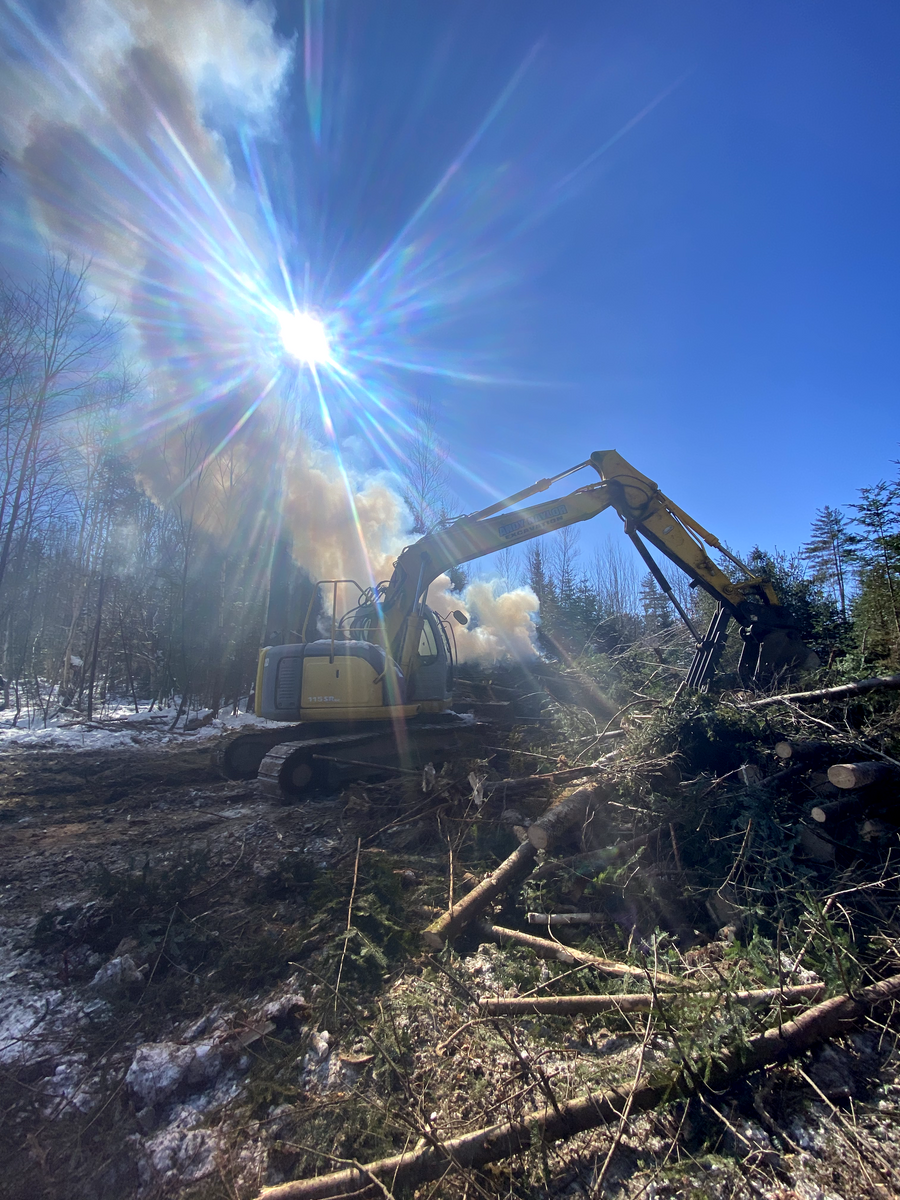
point(771, 643)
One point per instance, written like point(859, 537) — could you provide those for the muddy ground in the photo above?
point(204, 993)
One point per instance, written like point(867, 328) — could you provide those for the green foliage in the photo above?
point(828, 553)
point(134, 902)
point(814, 611)
point(154, 889)
point(708, 735)
point(875, 549)
point(658, 613)
point(378, 935)
point(258, 957)
point(293, 877)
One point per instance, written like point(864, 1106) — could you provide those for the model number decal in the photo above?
point(528, 523)
point(322, 699)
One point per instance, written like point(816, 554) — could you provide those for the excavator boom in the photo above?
point(771, 643)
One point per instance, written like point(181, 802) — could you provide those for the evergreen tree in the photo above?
point(539, 579)
point(812, 608)
point(876, 551)
point(828, 552)
point(656, 608)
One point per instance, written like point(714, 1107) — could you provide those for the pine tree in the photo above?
point(876, 550)
point(656, 608)
point(813, 610)
point(538, 577)
point(828, 551)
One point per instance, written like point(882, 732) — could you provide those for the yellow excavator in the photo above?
point(376, 691)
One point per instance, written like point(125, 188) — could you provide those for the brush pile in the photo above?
point(650, 952)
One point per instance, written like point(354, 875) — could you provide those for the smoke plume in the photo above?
point(119, 125)
point(501, 624)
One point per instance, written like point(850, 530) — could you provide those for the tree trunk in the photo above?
point(514, 1006)
point(878, 683)
point(568, 954)
point(808, 751)
point(582, 918)
point(523, 782)
point(95, 649)
point(857, 775)
point(833, 810)
point(575, 809)
point(452, 923)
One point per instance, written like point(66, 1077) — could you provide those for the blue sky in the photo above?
point(715, 295)
point(672, 230)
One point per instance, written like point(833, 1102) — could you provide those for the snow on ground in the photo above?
point(115, 725)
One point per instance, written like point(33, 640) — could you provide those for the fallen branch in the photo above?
point(637, 1001)
point(594, 861)
point(568, 954)
point(453, 922)
point(878, 683)
point(568, 1118)
point(522, 782)
point(583, 918)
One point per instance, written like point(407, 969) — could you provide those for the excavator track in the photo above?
point(286, 771)
point(291, 769)
point(239, 758)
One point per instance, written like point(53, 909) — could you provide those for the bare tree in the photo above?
point(424, 472)
point(615, 578)
point(509, 567)
point(53, 349)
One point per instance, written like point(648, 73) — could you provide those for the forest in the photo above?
point(113, 588)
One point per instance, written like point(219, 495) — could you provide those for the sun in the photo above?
point(304, 337)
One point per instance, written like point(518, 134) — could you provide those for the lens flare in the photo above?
point(304, 337)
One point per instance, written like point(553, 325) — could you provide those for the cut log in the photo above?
point(877, 683)
point(574, 809)
point(568, 954)
point(857, 775)
point(808, 751)
point(637, 1001)
point(566, 1118)
point(832, 810)
point(820, 848)
point(453, 922)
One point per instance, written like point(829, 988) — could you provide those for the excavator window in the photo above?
point(428, 651)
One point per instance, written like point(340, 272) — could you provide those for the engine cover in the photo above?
point(321, 680)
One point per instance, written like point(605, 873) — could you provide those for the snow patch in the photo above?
point(116, 726)
point(160, 1069)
